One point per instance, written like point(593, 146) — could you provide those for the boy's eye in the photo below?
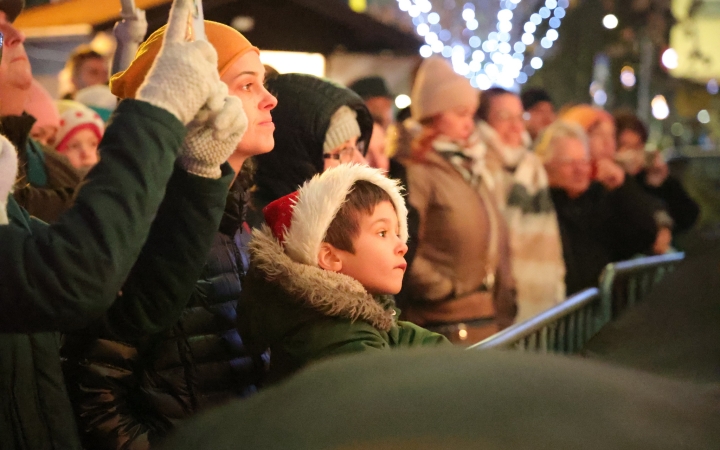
point(246, 87)
point(382, 233)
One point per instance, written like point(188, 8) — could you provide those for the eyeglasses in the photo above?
point(345, 154)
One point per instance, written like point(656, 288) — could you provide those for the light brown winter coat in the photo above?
point(449, 271)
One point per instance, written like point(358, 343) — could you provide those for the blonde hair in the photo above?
point(545, 147)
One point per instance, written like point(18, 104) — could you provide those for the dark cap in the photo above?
point(12, 8)
point(533, 96)
point(370, 87)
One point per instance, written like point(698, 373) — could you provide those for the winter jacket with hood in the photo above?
point(302, 118)
point(132, 393)
point(46, 181)
point(304, 313)
point(123, 235)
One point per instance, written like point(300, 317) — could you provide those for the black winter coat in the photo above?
point(683, 209)
point(130, 394)
point(302, 117)
point(601, 227)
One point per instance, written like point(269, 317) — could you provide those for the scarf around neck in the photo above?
point(467, 158)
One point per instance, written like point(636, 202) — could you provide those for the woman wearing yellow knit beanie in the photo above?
point(130, 394)
point(240, 69)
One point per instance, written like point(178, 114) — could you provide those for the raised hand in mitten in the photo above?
point(211, 141)
point(184, 76)
point(8, 174)
point(129, 34)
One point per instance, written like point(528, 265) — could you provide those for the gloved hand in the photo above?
point(211, 140)
point(131, 30)
point(8, 175)
point(184, 76)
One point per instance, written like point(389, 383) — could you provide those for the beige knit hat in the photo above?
point(343, 126)
point(438, 88)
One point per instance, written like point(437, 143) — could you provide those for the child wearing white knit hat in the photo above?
point(323, 268)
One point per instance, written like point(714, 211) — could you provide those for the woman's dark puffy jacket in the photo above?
point(128, 395)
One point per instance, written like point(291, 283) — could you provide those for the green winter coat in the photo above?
point(125, 253)
point(303, 313)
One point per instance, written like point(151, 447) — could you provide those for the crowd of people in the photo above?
point(199, 227)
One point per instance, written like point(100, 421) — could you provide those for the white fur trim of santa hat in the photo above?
point(320, 199)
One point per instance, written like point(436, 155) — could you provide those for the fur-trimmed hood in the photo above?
point(332, 294)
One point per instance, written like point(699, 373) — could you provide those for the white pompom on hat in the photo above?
point(300, 220)
point(343, 126)
point(438, 89)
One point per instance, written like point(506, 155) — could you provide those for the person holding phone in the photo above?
point(129, 393)
point(123, 256)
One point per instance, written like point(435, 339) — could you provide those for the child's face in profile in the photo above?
point(82, 150)
point(378, 262)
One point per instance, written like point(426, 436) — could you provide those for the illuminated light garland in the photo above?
point(495, 60)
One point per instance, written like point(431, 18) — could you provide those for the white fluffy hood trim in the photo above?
point(320, 199)
point(330, 293)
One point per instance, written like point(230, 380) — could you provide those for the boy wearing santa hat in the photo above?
point(323, 271)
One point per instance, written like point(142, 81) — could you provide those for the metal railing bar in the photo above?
point(515, 332)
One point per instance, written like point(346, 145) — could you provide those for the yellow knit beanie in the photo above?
point(228, 42)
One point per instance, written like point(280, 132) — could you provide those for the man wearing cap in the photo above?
point(46, 181)
point(377, 98)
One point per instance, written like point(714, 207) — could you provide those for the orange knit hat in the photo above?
point(228, 42)
point(586, 116)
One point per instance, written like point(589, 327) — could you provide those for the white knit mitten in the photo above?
point(210, 142)
point(8, 174)
point(184, 76)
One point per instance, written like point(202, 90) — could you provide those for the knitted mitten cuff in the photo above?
point(209, 144)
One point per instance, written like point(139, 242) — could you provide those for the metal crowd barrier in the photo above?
point(567, 327)
point(564, 328)
point(625, 283)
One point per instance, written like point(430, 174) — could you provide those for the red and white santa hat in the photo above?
point(300, 220)
point(75, 116)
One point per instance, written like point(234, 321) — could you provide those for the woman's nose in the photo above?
point(358, 157)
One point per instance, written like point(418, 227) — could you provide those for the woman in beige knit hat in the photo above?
point(461, 283)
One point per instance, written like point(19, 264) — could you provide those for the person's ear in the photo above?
point(329, 258)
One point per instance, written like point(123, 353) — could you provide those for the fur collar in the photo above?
point(329, 293)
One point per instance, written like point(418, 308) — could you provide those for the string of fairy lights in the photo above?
point(507, 56)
